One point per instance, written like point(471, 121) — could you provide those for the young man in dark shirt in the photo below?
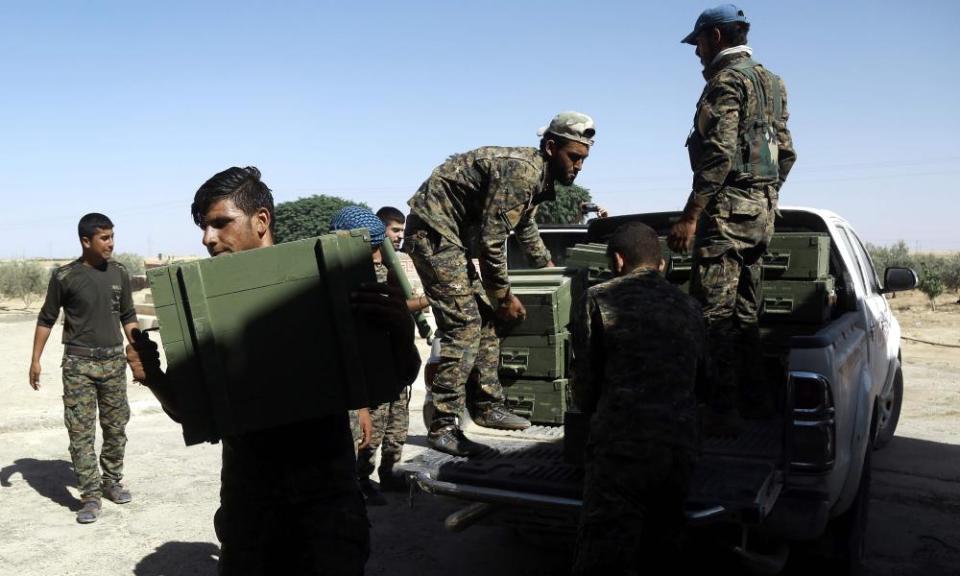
point(94, 292)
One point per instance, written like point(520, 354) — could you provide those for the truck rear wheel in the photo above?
point(848, 531)
point(888, 410)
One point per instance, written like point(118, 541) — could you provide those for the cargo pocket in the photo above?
point(511, 216)
point(73, 415)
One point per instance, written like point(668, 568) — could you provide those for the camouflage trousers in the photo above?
point(632, 519)
point(88, 385)
point(732, 236)
point(290, 503)
point(390, 423)
point(469, 348)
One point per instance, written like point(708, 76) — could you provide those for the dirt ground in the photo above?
point(168, 529)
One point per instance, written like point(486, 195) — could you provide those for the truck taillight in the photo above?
point(811, 428)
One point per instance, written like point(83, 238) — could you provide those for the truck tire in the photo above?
point(888, 411)
point(848, 531)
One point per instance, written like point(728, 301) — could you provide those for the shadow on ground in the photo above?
point(180, 559)
point(50, 478)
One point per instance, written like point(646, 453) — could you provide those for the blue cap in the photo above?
point(351, 217)
point(711, 17)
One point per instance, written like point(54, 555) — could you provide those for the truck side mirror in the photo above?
point(898, 279)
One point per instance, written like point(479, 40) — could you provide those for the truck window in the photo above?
point(854, 270)
point(863, 262)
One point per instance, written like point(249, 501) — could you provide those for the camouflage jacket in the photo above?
point(639, 352)
point(717, 147)
point(479, 197)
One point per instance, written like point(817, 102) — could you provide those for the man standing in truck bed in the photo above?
point(639, 348)
point(94, 292)
point(478, 198)
point(740, 152)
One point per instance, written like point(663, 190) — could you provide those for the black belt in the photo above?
point(95, 353)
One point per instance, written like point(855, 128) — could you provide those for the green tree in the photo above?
point(307, 217)
point(931, 283)
point(23, 279)
point(132, 262)
point(566, 208)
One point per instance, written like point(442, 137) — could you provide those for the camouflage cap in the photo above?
point(572, 126)
point(722, 14)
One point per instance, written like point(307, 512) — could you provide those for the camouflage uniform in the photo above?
point(87, 384)
point(390, 420)
point(740, 152)
point(639, 348)
point(96, 302)
point(475, 198)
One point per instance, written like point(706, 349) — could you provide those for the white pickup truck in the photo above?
point(801, 476)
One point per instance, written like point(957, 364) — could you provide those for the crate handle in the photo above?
point(778, 306)
point(776, 261)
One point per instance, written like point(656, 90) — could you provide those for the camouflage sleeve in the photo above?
point(51, 305)
point(528, 236)
point(587, 363)
point(509, 191)
point(718, 121)
point(787, 155)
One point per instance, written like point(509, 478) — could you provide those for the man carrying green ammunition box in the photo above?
point(289, 501)
point(479, 198)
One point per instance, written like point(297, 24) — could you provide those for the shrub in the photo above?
point(23, 279)
point(132, 262)
point(565, 209)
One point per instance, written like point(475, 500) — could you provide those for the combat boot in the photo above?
point(497, 416)
point(371, 492)
point(115, 492)
point(450, 440)
point(90, 511)
point(389, 481)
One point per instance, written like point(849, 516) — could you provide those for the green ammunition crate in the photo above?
point(798, 301)
point(797, 256)
point(534, 356)
point(265, 337)
point(540, 401)
point(547, 301)
point(554, 271)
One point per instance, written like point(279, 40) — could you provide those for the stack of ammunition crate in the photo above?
point(265, 337)
point(534, 353)
point(797, 287)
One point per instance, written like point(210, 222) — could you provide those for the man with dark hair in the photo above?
point(639, 351)
point(476, 199)
point(741, 152)
point(289, 500)
point(394, 220)
point(94, 292)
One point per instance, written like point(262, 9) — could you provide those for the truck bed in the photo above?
point(734, 478)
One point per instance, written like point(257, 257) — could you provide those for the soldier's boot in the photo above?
point(389, 480)
point(90, 511)
point(115, 492)
point(497, 416)
point(371, 492)
point(450, 440)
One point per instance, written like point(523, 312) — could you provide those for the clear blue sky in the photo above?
point(127, 107)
